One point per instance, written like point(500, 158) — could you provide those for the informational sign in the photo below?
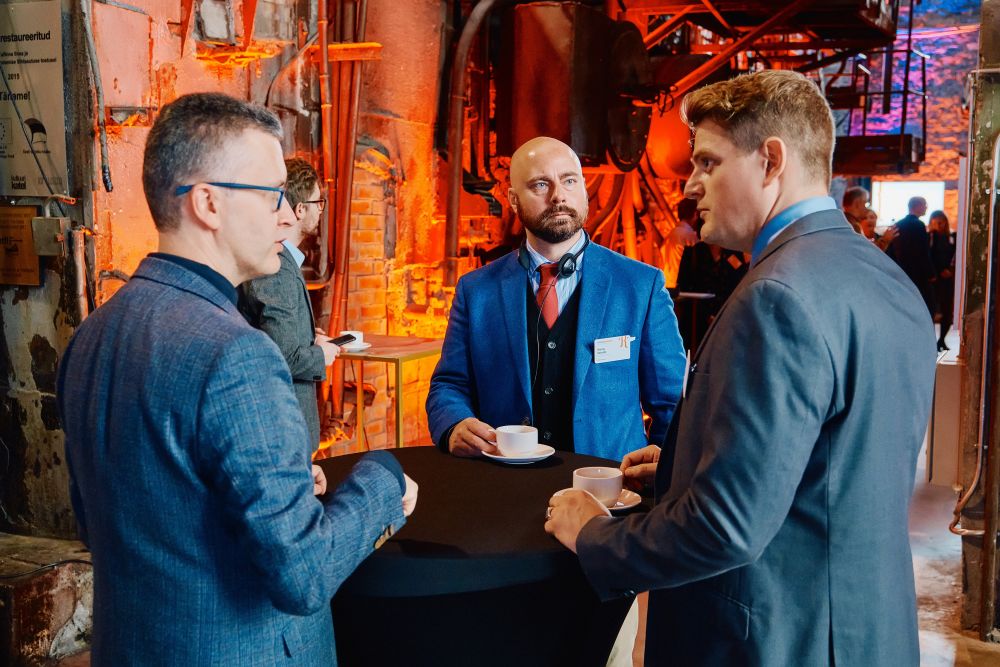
point(32, 119)
point(19, 264)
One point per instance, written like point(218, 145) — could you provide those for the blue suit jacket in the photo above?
point(780, 533)
point(190, 479)
point(484, 370)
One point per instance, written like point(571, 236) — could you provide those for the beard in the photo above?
point(547, 227)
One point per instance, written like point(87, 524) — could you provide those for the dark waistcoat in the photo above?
point(551, 355)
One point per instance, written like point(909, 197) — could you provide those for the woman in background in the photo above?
point(943, 256)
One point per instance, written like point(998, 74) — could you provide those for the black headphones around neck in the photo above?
point(567, 263)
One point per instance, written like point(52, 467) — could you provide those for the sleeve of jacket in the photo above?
point(250, 453)
point(759, 422)
point(661, 361)
point(275, 302)
point(452, 394)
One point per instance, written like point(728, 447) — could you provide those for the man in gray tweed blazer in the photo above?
point(188, 454)
point(279, 304)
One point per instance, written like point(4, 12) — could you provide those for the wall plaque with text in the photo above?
point(19, 264)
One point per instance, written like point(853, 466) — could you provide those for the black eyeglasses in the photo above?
point(321, 202)
point(184, 189)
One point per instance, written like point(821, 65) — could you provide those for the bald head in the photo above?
point(535, 154)
point(547, 190)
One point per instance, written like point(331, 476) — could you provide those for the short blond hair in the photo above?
point(771, 103)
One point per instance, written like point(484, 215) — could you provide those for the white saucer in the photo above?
point(543, 452)
point(356, 348)
point(626, 500)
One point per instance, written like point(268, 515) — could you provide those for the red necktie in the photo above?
point(548, 300)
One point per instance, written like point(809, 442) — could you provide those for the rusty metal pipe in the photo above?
point(628, 217)
point(347, 178)
point(984, 380)
point(610, 207)
point(987, 429)
point(456, 130)
point(326, 128)
point(80, 269)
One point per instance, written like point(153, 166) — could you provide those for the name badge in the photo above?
point(616, 348)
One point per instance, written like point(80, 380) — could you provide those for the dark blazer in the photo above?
point(190, 479)
point(911, 250)
point(780, 532)
point(279, 306)
point(484, 370)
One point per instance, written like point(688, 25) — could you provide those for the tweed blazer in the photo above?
point(484, 369)
point(279, 306)
point(780, 533)
point(190, 479)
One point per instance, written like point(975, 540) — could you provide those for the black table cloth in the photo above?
point(473, 578)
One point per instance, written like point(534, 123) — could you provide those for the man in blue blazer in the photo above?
point(780, 532)
point(565, 335)
point(187, 451)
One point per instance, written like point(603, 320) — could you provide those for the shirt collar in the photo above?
point(537, 258)
point(775, 225)
point(215, 278)
point(296, 254)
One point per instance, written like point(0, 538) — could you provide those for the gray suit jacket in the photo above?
point(191, 483)
point(279, 306)
point(780, 533)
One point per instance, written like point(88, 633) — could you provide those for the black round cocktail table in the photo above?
point(473, 578)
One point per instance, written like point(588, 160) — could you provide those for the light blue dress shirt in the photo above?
point(564, 286)
point(775, 225)
point(297, 254)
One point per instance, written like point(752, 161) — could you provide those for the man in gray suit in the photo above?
point(188, 454)
point(279, 304)
point(779, 536)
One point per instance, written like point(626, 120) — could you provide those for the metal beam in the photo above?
point(664, 30)
point(742, 44)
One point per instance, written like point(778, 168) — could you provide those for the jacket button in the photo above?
point(547, 435)
point(551, 345)
point(548, 391)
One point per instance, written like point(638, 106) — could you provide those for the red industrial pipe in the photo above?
point(348, 142)
point(326, 126)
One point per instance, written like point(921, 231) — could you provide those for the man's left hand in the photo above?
point(569, 512)
point(319, 481)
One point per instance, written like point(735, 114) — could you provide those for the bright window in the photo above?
point(889, 198)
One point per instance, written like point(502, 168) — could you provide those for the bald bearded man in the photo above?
point(563, 334)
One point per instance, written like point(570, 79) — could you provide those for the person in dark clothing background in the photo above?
point(707, 269)
point(911, 250)
point(943, 257)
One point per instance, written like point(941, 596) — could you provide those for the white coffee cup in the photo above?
point(359, 338)
point(516, 440)
point(605, 484)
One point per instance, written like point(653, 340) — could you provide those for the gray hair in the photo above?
point(187, 143)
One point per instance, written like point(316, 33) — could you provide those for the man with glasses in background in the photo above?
point(279, 304)
point(187, 453)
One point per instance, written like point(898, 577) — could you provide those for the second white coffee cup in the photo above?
point(605, 484)
point(516, 440)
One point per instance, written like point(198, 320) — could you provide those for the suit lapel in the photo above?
point(596, 286)
point(513, 291)
point(286, 256)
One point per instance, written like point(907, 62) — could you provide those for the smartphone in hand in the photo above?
point(342, 340)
